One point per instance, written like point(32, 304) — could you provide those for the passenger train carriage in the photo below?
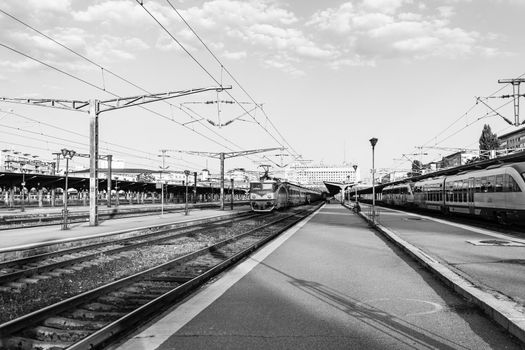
point(497, 192)
point(268, 195)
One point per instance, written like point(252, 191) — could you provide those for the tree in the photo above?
point(487, 141)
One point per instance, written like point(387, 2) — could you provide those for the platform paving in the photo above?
point(25, 238)
point(482, 265)
point(331, 283)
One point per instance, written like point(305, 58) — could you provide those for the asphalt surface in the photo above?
point(463, 247)
point(333, 284)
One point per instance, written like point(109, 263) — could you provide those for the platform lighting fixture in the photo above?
point(187, 173)
point(22, 192)
point(67, 154)
point(355, 181)
point(373, 142)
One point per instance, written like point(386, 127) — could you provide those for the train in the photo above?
point(496, 192)
point(270, 194)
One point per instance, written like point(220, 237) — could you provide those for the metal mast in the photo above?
point(224, 155)
point(515, 95)
point(94, 108)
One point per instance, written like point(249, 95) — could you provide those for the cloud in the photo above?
point(50, 5)
point(239, 55)
point(384, 6)
point(386, 29)
point(112, 12)
point(16, 66)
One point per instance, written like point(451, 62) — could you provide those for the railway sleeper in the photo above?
point(21, 343)
point(174, 280)
point(156, 284)
point(71, 324)
point(87, 315)
point(53, 334)
point(96, 306)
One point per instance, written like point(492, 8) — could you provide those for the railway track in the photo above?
point(45, 219)
point(96, 316)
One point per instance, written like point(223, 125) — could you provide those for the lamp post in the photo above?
point(355, 181)
point(163, 168)
point(232, 192)
point(373, 142)
point(116, 192)
point(67, 154)
point(23, 184)
point(187, 173)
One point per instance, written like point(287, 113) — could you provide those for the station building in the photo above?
point(513, 140)
point(315, 175)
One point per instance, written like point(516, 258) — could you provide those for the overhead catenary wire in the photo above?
point(103, 88)
point(223, 68)
point(135, 150)
point(198, 63)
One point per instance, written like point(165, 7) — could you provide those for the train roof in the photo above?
point(515, 160)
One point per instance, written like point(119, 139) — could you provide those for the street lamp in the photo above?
point(355, 181)
point(163, 168)
point(22, 192)
point(187, 173)
point(116, 192)
point(67, 154)
point(373, 142)
point(232, 192)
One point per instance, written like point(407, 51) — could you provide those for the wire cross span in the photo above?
point(112, 104)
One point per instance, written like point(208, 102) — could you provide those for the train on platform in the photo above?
point(496, 192)
point(270, 194)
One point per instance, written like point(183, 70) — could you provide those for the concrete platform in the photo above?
point(27, 238)
point(483, 266)
point(331, 283)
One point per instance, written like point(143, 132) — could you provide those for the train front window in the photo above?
point(258, 186)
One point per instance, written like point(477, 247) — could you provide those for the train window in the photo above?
point(491, 182)
point(499, 183)
point(256, 186)
point(484, 185)
point(506, 187)
point(514, 185)
point(477, 185)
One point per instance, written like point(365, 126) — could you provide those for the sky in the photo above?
point(317, 77)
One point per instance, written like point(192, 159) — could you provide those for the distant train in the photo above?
point(267, 195)
point(497, 192)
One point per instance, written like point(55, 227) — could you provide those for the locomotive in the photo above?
point(269, 194)
point(497, 192)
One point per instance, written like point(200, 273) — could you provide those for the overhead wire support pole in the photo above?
point(94, 107)
point(516, 96)
point(224, 155)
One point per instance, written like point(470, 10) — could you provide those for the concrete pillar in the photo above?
point(53, 197)
point(11, 197)
point(40, 202)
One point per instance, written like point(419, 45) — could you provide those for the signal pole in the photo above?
point(515, 95)
point(222, 156)
point(94, 108)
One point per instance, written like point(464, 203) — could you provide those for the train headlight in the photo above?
point(269, 195)
point(253, 196)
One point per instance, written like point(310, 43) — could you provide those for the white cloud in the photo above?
point(384, 6)
point(113, 12)
point(238, 55)
point(16, 66)
point(50, 5)
point(376, 29)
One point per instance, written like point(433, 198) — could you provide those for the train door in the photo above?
point(470, 195)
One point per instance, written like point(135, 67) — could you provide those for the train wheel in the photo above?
point(501, 218)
